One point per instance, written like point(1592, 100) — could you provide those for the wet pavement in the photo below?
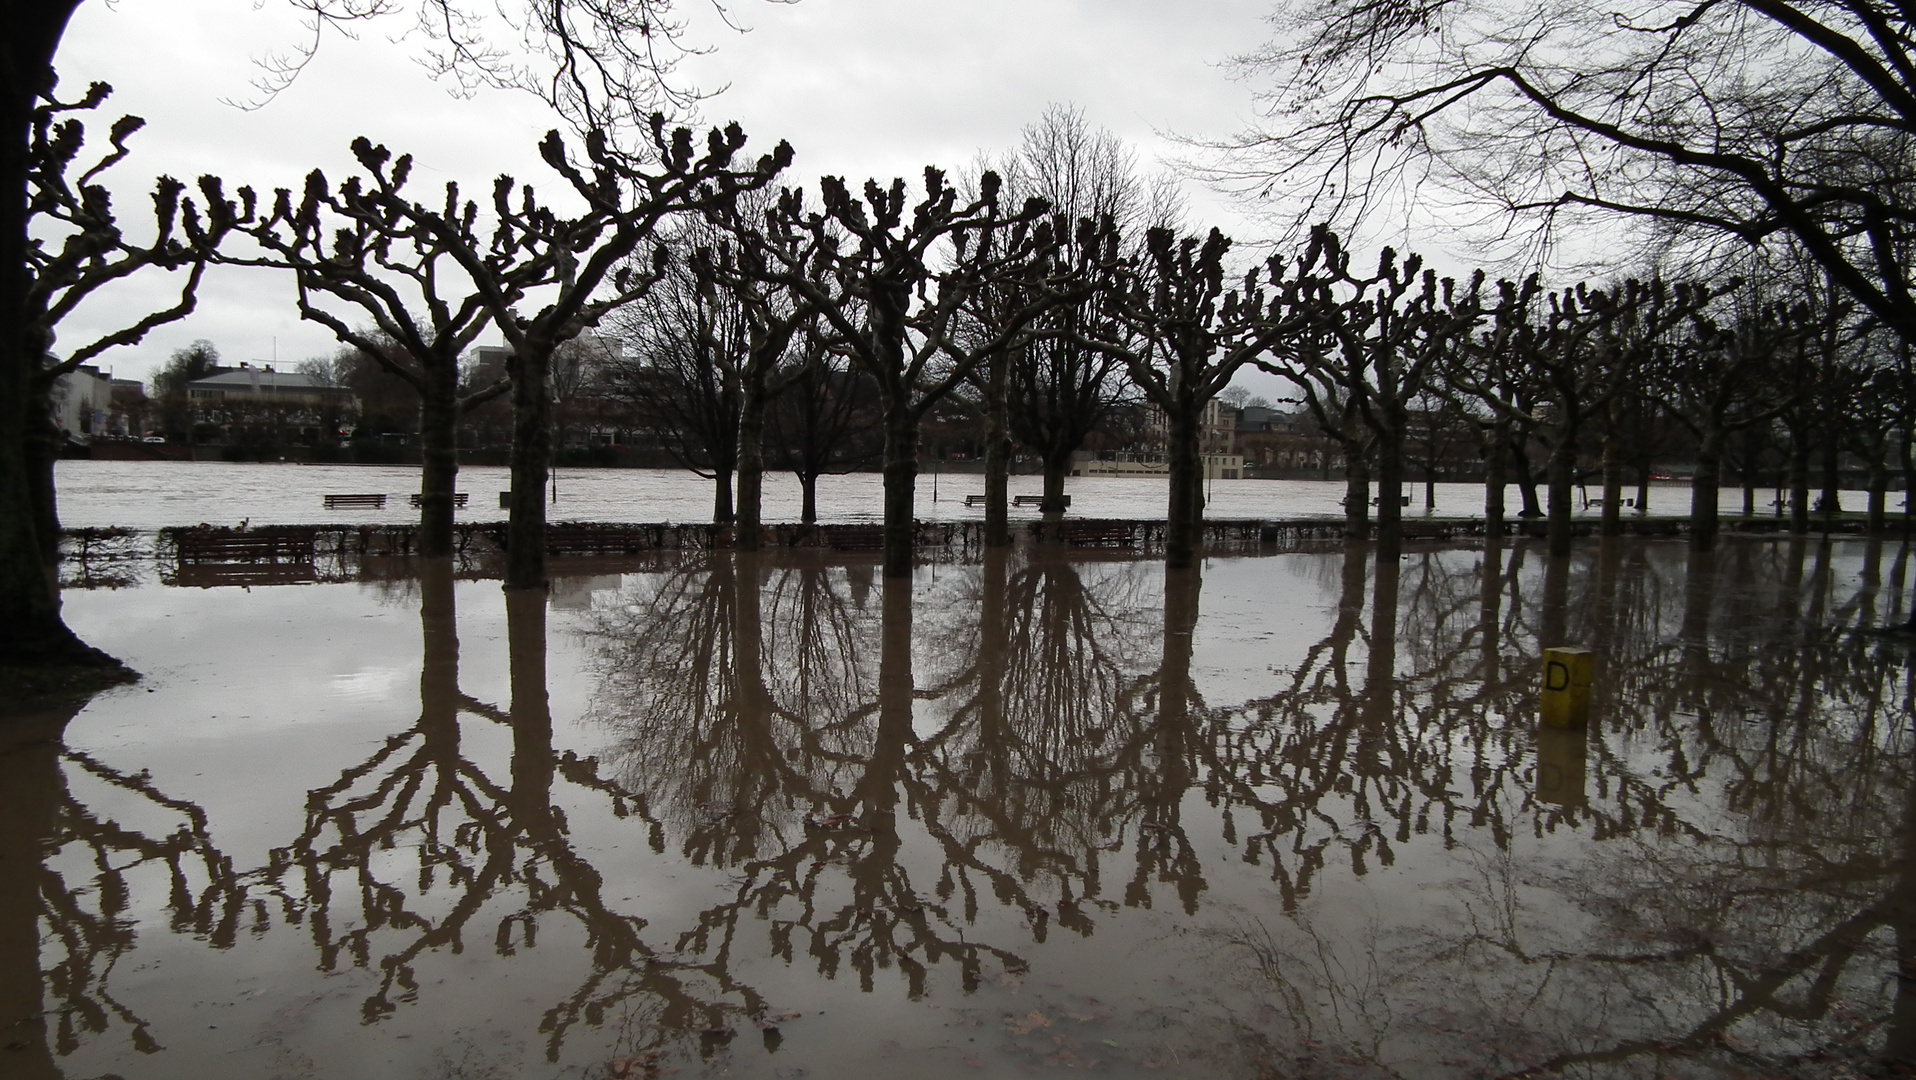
point(1044, 812)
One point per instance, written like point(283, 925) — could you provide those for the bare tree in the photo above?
point(1190, 329)
point(80, 247)
point(874, 275)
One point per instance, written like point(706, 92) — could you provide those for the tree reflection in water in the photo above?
point(68, 874)
point(1718, 876)
point(750, 707)
point(417, 847)
point(936, 777)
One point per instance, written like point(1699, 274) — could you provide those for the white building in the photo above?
point(81, 399)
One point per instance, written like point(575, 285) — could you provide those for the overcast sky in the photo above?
point(859, 87)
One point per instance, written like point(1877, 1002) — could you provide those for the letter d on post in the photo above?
point(1567, 674)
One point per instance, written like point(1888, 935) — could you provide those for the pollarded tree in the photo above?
point(888, 280)
point(1188, 329)
point(1373, 346)
point(342, 245)
point(1049, 392)
point(1727, 374)
point(580, 267)
point(78, 250)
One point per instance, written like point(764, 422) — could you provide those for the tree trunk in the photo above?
point(1799, 483)
point(1563, 475)
point(1703, 492)
point(1526, 482)
point(531, 455)
point(1390, 492)
point(439, 460)
point(1612, 481)
point(1057, 465)
point(31, 630)
point(1878, 494)
point(722, 512)
point(1186, 508)
point(901, 478)
point(1830, 502)
point(808, 498)
point(751, 467)
point(997, 440)
point(1494, 462)
point(1643, 490)
point(1356, 494)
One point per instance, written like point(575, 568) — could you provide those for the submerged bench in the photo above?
point(599, 540)
point(334, 502)
point(458, 498)
point(1121, 533)
point(976, 500)
point(1037, 500)
point(853, 537)
point(273, 544)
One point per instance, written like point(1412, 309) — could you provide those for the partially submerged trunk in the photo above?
point(901, 479)
point(31, 630)
point(1612, 482)
point(1799, 480)
point(1057, 466)
point(439, 460)
point(751, 468)
point(1703, 492)
point(1563, 476)
point(1878, 494)
point(1390, 494)
point(997, 440)
point(1356, 495)
point(1494, 482)
point(722, 512)
point(808, 498)
point(1186, 509)
point(531, 457)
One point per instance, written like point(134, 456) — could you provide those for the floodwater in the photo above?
point(155, 494)
point(766, 816)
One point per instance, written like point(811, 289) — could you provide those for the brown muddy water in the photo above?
point(1051, 812)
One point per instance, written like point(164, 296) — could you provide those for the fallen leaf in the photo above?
point(1031, 1022)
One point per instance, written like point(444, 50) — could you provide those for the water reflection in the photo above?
point(1379, 863)
point(77, 838)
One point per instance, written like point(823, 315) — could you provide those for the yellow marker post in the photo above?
point(1568, 672)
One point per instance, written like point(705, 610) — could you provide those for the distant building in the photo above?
point(82, 401)
point(260, 404)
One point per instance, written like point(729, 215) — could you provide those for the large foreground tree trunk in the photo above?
point(531, 455)
point(31, 630)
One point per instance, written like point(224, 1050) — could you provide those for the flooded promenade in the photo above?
point(1045, 810)
point(151, 495)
